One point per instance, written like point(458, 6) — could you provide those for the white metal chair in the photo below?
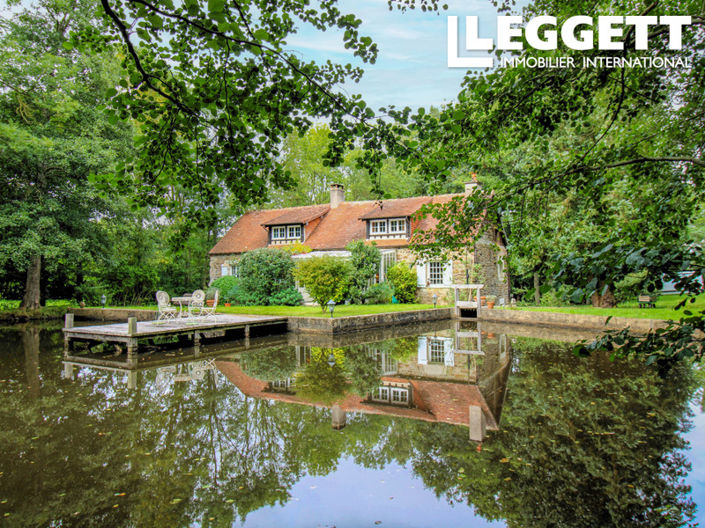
point(166, 311)
point(209, 311)
point(196, 304)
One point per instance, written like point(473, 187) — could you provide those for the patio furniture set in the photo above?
point(192, 308)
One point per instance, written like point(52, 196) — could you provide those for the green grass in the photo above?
point(664, 308)
point(6, 304)
point(307, 311)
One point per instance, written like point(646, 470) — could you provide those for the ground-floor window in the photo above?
point(434, 273)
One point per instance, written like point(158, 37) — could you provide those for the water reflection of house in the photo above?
point(439, 384)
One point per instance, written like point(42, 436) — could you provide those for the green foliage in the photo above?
point(271, 364)
point(318, 381)
point(325, 278)
point(229, 287)
point(287, 297)
point(364, 261)
point(379, 293)
point(631, 286)
point(213, 82)
point(264, 273)
point(403, 279)
point(297, 248)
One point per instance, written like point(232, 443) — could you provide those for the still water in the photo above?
point(435, 426)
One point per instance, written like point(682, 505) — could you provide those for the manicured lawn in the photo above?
point(315, 311)
point(307, 311)
point(664, 308)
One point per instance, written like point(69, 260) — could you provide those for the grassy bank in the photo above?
point(664, 309)
point(305, 311)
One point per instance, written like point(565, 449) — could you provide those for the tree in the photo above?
point(325, 278)
point(264, 273)
point(53, 135)
point(364, 263)
point(218, 99)
point(545, 135)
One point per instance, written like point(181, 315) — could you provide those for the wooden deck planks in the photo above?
point(150, 329)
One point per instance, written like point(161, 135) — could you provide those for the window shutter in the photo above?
point(448, 353)
point(420, 274)
point(224, 270)
point(448, 273)
point(423, 350)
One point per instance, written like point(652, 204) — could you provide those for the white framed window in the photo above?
point(397, 225)
point(287, 232)
point(436, 351)
point(234, 269)
point(389, 258)
point(224, 270)
point(394, 395)
point(378, 227)
point(294, 231)
point(435, 273)
point(400, 395)
point(278, 233)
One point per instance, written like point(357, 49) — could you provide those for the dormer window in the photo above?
point(284, 234)
point(388, 228)
point(378, 227)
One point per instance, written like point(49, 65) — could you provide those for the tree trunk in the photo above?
point(32, 291)
point(537, 292)
point(30, 342)
point(607, 300)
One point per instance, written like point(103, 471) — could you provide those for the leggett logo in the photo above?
point(576, 33)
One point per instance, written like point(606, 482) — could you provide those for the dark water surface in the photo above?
point(357, 431)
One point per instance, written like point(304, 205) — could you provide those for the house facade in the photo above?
point(328, 228)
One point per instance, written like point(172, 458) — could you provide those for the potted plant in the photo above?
point(491, 300)
point(210, 294)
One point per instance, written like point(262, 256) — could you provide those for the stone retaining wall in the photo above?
point(363, 322)
point(113, 314)
point(567, 320)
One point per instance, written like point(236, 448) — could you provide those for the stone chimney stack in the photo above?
point(337, 195)
point(472, 184)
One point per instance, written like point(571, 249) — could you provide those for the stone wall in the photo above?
point(216, 261)
point(569, 320)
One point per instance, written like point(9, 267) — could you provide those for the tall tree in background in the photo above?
point(53, 135)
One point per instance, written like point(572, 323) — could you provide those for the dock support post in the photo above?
point(132, 379)
point(68, 345)
point(247, 336)
point(131, 343)
point(68, 371)
point(197, 342)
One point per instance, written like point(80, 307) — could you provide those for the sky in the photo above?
point(411, 68)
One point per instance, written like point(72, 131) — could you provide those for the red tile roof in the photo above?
point(435, 401)
point(396, 208)
point(337, 227)
point(299, 215)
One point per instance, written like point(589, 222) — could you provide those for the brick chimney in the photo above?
point(472, 184)
point(337, 195)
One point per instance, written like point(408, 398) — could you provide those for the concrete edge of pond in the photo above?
point(355, 323)
point(324, 325)
point(569, 320)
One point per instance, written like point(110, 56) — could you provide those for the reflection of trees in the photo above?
point(583, 443)
point(320, 382)
point(271, 364)
point(204, 450)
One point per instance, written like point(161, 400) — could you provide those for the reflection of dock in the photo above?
point(132, 333)
point(171, 360)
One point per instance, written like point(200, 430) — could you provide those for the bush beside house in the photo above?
point(403, 280)
point(324, 278)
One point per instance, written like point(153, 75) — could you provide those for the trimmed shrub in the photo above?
point(288, 297)
point(228, 287)
point(379, 293)
point(403, 280)
point(324, 278)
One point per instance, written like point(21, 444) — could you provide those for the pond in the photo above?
point(441, 425)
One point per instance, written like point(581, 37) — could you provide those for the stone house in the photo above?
point(328, 228)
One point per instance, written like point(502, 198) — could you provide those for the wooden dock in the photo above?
point(131, 333)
